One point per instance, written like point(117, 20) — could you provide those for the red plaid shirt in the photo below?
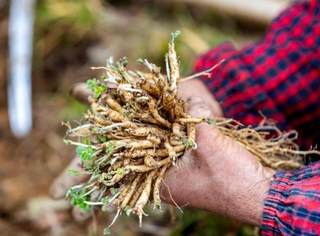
point(279, 77)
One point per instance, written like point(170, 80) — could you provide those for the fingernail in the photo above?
point(81, 92)
point(193, 100)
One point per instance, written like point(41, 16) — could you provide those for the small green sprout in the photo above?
point(86, 156)
point(78, 198)
point(211, 121)
point(188, 143)
point(85, 153)
point(96, 87)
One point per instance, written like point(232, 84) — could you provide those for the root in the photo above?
point(130, 192)
point(203, 73)
point(156, 188)
point(171, 152)
point(144, 197)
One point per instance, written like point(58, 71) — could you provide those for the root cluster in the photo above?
point(137, 128)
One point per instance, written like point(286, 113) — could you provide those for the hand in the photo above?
point(220, 176)
point(225, 178)
point(187, 89)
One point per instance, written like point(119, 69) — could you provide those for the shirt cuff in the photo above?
point(274, 201)
point(292, 203)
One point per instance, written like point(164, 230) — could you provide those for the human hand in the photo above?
point(224, 174)
point(80, 91)
point(220, 176)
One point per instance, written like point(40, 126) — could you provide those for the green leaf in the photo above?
point(92, 84)
point(85, 153)
point(86, 156)
point(78, 199)
point(96, 87)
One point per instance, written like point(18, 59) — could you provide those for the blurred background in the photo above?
point(48, 45)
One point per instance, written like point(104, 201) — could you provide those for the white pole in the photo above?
point(20, 53)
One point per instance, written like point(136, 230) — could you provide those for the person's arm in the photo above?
point(277, 77)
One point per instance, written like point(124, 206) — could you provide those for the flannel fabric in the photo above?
point(278, 77)
point(292, 206)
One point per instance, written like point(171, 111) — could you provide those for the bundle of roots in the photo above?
point(137, 128)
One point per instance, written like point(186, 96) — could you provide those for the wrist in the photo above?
point(248, 203)
point(261, 193)
point(239, 198)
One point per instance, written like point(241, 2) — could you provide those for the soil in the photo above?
point(29, 165)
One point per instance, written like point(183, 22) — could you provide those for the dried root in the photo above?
point(137, 128)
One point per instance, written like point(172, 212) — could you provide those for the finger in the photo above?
point(171, 189)
point(65, 181)
point(81, 92)
point(196, 107)
point(80, 215)
point(196, 88)
point(177, 179)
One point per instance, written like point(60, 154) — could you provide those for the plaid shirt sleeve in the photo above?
point(292, 206)
point(279, 77)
